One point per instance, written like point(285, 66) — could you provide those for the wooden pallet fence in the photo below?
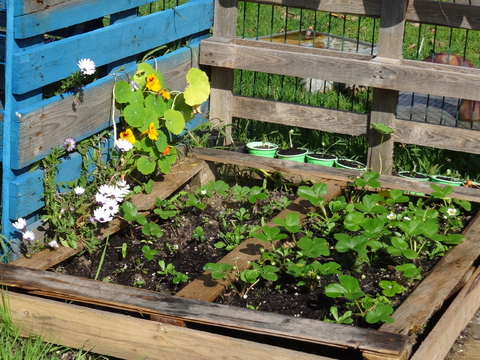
point(33, 125)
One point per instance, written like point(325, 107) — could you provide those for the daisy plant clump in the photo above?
point(152, 113)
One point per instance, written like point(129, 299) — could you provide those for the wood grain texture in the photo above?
point(129, 338)
point(434, 289)
point(249, 250)
point(48, 123)
point(309, 117)
point(152, 303)
point(39, 17)
point(54, 61)
point(284, 59)
point(307, 171)
point(384, 101)
point(440, 340)
point(464, 14)
point(42, 260)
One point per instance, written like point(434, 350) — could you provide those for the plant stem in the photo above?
point(102, 259)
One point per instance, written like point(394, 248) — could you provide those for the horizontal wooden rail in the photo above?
point(317, 171)
point(292, 60)
point(46, 124)
point(153, 303)
point(464, 14)
point(45, 64)
point(40, 17)
point(354, 124)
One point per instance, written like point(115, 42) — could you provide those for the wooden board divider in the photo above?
point(147, 302)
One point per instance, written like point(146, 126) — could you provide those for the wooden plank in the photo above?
point(323, 172)
point(40, 17)
point(464, 14)
point(437, 136)
point(309, 117)
point(152, 303)
point(440, 340)
point(130, 338)
point(225, 25)
point(384, 101)
point(55, 61)
point(434, 289)
point(42, 260)
point(248, 251)
point(292, 60)
point(35, 127)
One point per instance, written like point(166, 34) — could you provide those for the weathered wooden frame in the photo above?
point(178, 315)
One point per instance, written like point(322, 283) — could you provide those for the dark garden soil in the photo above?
point(351, 163)
point(323, 156)
point(291, 151)
point(177, 246)
point(188, 255)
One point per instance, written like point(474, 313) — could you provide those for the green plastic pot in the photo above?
point(407, 175)
point(296, 157)
point(357, 165)
point(311, 159)
point(255, 148)
point(447, 181)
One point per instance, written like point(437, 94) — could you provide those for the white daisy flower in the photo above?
point(111, 206)
point(87, 66)
point(102, 215)
point(79, 190)
point(124, 145)
point(391, 216)
point(107, 190)
point(100, 198)
point(452, 211)
point(53, 244)
point(28, 236)
point(20, 224)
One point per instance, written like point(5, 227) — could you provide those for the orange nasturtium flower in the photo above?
point(165, 94)
point(153, 83)
point(166, 151)
point(151, 132)
point(128, 135)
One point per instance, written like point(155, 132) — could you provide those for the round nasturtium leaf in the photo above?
point(145, 166)
point(122, 92)
point(174, 121)
point(134, 115)
point(198, 87)
point(156, 104)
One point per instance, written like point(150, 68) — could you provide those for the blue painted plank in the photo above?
point(41, 65)
point(46, 124)
point(34, 18)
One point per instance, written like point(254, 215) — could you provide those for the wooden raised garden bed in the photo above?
point(210, 330)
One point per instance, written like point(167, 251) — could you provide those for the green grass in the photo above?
point(15, 347)
point(420, 40)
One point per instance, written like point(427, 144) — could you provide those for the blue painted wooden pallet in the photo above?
point(32, 125)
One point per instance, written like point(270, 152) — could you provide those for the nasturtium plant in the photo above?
point(151, 113)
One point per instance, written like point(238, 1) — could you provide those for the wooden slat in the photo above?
point(440, 340)
point(437, 136)
point(434, 290)
point(152, 303)
point(42, 260)
point(309, 117)
point(292, 60)
point(464, 14)
point(384, 101)
point(129, 338)
point(225, 25)
point(55, 61)
point(48, 123)
point(318, 171)
point(40, 17)
point(202, 289)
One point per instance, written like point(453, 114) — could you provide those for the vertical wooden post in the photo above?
point(390, 46)
point(225, 25)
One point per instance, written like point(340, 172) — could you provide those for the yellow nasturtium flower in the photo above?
point(151, 132)
point(166, 95)
point(153, 83)
point(128, 135)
